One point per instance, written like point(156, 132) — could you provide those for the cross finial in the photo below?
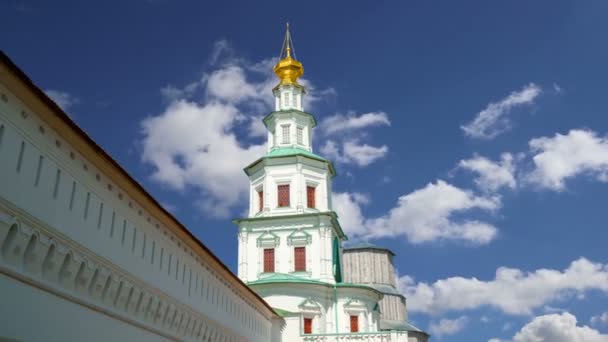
point(287, 49)
point(288, 68)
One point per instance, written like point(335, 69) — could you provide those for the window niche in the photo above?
point(285, 134)
point(355, 309)
point(268, 260)
point(260, 198)
point(311, 312)
point(300, 135)
point(283, 195)
point(311, 192)
point(298, 240)
point(307, 325)
point(267, 243)
point(354, 323)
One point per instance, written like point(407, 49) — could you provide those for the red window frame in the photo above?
point(283, 195)
point(299, 255)
point(269, 260)
point(260, 200)
point(308, 325)
point(310, 196)
point(354, 323)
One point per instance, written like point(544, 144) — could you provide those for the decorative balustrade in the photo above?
point(383, 336)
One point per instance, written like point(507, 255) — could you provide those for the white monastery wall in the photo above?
point(61, 199)
point(63, 320)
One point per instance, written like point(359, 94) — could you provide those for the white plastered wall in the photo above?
point(44, 179)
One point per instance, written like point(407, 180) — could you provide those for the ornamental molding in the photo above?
point(268, 239)
point(45, 259)
point(310, 306)
point(354, 305)
point(299, 238)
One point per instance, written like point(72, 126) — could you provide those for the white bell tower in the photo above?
point(291, 228)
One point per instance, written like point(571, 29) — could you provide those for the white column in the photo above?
point(327, 192)
point(266, 184)
point(271, 139)
point(322, 254)
point(293, 131)
point(243, 267)
point(300, 183)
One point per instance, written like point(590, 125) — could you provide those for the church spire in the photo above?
point(288, 69)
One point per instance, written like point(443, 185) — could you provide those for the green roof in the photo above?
point(361, 286)
point(399, 326)
point(386, 289)
point(284, 313)
point(288, 151)
point(279, 152)
point(288, 278)
point(287, 111)
point(285, 278)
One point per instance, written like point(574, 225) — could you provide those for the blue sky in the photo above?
point(469, 137)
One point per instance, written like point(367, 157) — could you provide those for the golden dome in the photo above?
point(288, 69)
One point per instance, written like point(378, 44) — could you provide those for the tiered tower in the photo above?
point(290, 191)
point(290, 245)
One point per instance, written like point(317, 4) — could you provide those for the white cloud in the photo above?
point(600, 319)
point(564, 156)
point(448, 326)
point(493, 120)
point(193, 141)
point(221, 48)
point(512, 291)
point(425, 215)
point(556, 328)
point(552, 309)
point(353, 152)
point(343, 146)
point(348, 207)
point(229, 84)
point(256, 127)
point(172, 93)
point(339, 122)
point(192, 144)
point(491, 176)
point(62, 98)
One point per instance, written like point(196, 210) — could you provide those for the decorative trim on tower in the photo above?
point(268, 240)
point(299, 238)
